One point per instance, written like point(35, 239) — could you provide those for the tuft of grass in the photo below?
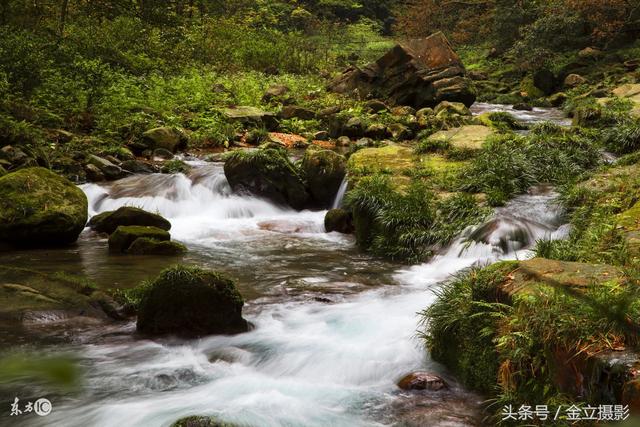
point(408, 225)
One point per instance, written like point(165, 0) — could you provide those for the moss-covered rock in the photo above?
point(38, 207)
point(122, 238)
point(148, 246)
point(108, 222)
point(338, 220)
point(446, 108)
point(324, 171)
point(188, 301)
point(267, 173)
point(470, 137)
point(175, 166)
point(171, 139)
point(25, 293)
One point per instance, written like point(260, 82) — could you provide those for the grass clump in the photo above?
point(525, 346)
point(407, 225)
point(510, 164)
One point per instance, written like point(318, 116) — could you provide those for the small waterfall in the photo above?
point(337, 202)
point(510, 234)
point(201, 206)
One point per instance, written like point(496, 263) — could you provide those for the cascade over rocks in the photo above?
point(40, 208)
point(324, 170)
point(419, 72)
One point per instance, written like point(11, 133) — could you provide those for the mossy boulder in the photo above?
point(528, 89)
point(446, 108)
point(572, 276)
point(124, 236)
point(338, 220)
point(629, 220)
point(191, 302)
point(171, 139)
point(267, 173)
point(631, 92)
point(470, 137)
point(148, 246)
point(324, 170)
point(108, 222)
point(38, 207)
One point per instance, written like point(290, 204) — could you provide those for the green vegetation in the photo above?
point(510, 164)
point(407, 225)
point(532, 331)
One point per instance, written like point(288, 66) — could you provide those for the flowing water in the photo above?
point(536, 115)
point(334, 328)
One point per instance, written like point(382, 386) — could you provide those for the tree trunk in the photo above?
point(63, 16)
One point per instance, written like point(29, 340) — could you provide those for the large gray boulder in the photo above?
point(419, 72)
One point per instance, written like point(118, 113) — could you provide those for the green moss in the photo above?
point(267, 173)
point(470, 137)
point(38, 207)
point(23, 290)
point(501, 121)
point(121, 239)
point(189, 301)
point(392, 160)
point(524, 331)
point(602, 213)
point(108, 222)
point(324, 171)
point(198, 421)
point(148, 246)
point(527, 87)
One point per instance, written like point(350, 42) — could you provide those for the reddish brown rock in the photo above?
point(419, 72)
point(422, 381)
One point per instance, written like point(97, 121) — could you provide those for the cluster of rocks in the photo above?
point(153, 152)
point(270, 173)
point(136, 232)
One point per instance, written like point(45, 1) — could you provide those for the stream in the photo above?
point(335, 328)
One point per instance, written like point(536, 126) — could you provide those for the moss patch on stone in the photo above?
point(392, 160)
point(189, 301)
point(24, 290)
point(147, 246)
point(124, 236)
point(470, 137)
point(38, 207)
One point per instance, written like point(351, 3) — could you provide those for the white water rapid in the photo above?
point(330, 361)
